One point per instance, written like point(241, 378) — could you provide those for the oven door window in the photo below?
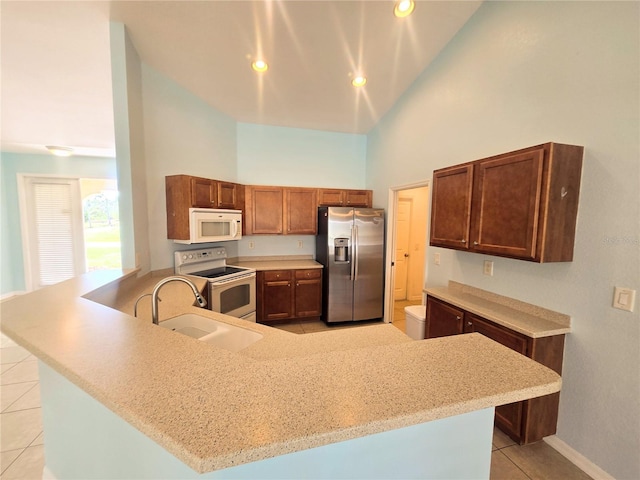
point(235, 297)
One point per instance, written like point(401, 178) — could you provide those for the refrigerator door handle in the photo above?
point(356, 253)
point(352, 254)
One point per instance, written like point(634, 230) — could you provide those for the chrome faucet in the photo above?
point(154, 296)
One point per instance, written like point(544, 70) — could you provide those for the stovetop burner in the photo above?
point(218, 272)
point(208, 263)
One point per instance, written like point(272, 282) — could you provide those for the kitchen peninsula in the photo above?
point(123, 398)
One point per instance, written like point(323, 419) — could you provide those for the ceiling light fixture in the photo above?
point(359, 81)
point(259, 66)
point(60, 151)
point(404, 8)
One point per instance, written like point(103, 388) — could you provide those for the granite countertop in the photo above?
point(214, 409)
point(287, 262)
point(525, 318)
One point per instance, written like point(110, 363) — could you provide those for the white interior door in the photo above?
point(52, 230)
point(403, 230)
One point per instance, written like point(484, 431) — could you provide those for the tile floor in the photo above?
point(22, 443)
point(21, 440)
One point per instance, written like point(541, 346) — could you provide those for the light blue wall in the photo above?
point(182, 135)
point(130, 149)
point(11, 261)
point(520, 74)
point(300, 157)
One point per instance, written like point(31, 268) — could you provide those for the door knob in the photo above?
point(406, 255)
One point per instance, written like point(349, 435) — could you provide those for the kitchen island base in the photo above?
point(84, 439)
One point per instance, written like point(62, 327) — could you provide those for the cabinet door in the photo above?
point(330, 197)
point(506, 205)
point(357, 198)
point(442, 319)
point(308, 293)
point(451, 207)
point(227, 195)
point(301, 211)
point(277, 295)
point(203, 193)
point(264, 210)
point(508, 417)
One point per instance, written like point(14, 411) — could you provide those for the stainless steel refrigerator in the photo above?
point(350, 246)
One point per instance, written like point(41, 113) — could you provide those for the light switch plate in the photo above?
point(624, 298)
point(436, 258)
point(488, 268)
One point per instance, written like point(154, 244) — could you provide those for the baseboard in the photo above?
point(579, 460)
point(47, 475)
point(9, 295)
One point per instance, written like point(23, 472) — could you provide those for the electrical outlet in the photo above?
point(300, 243)
point(624, 298)
point(488, 268)
point(436, 258)
point(252, 245)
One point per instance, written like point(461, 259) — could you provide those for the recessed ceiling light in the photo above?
point(59, 151)
point(359, 81)
point(404, 8)
point(259, 66)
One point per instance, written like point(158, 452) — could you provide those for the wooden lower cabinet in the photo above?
point(284, 295)
point(275, 300)
point(308, 293)
point(527, 421)
point(442, 319)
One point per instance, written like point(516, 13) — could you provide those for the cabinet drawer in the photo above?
point(311, 273)
point(508, 338)
point(275, 275)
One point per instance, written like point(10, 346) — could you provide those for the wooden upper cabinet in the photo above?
point(228, 195)
point(264, 210)
point(331, 197)
point(184, 192)
point(358, 198)
point(280, 210)
point(451, 207)
point(301, 211)
point(204, 193)
point(523, 204)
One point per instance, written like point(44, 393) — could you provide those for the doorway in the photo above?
point(69, 226)
point(407, 231)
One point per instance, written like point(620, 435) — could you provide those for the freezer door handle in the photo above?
point(352, 254)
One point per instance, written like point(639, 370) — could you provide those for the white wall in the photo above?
point(517, 75)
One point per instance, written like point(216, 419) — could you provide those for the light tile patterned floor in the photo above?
point(21, 439)
point(22, 442)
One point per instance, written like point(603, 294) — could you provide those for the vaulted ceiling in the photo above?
point(56, 77)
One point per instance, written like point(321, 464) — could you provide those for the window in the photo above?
point(69, 226)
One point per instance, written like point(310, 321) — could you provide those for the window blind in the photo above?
point(54, 232)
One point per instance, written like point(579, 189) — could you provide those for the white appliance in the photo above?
point(211, 225)
point(232, 290)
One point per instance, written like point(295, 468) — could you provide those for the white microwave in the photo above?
point(208, 225)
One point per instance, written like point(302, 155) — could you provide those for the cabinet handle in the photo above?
point(463, 241)
point(458, 317)
point(475, 243)
point(469, 324)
